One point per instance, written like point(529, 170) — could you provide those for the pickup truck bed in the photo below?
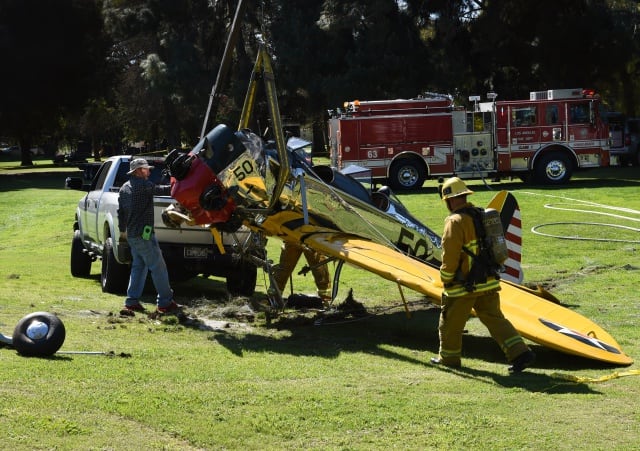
point(188, 251)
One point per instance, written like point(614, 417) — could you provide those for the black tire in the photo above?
point(178, 274)
point(555, 168)
point(243, 281)
point(114, 276)
point(80, 260)
point(406, 174)
point(38, 334)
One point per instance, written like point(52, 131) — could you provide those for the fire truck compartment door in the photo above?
point(473, 151)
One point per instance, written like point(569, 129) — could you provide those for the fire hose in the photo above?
point(631, 215)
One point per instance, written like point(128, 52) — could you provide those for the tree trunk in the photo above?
point(25, 152)
point(94, 148)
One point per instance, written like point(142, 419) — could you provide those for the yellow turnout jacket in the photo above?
point(459, 231)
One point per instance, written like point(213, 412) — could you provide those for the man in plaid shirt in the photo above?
point(135, 221)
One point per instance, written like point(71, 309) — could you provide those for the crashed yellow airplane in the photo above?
point(231, 178)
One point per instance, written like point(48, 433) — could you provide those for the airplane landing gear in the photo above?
point(38, 334)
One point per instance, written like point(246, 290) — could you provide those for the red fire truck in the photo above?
point(404, 142)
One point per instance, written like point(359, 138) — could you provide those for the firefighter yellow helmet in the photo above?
point(454, 187)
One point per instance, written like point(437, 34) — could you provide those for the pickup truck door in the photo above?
point(90, 218)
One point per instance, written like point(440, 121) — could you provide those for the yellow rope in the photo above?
point(584, 380)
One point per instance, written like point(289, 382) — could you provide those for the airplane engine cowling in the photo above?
point(189, 191)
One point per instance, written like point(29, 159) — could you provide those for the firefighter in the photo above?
point(289, 256)
point(457, 302)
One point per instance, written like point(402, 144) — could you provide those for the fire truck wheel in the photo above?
point(554, 169)
point(406, 174)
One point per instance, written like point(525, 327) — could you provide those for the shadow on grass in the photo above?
point(40, 180)
point(299, 335)
point(390, 335)
point(378, 336)
point(529, 380)
point(484, 348)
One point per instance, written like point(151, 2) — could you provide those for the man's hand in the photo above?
point(123, 236)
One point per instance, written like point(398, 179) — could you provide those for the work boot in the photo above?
point(523, 361)
point(326, 300)
point(439, 361)
point(135, 308)
point(171, 309)
point(131, 309)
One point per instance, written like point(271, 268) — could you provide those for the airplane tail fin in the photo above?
point(506, 204)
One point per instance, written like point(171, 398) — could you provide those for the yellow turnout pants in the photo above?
point(289, 256)
point(454, 315)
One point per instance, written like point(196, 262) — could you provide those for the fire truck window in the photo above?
point(579, 113)
point(551, 114)
point(524, 117)
point(634, 126)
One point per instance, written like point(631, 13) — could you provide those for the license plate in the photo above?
point(195, 252)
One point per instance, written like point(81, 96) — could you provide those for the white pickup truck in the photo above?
point(188, 251)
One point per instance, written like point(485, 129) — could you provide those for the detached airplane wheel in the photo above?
point(38, 334)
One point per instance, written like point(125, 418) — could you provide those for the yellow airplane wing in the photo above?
point(535, 318)
point(381, 260)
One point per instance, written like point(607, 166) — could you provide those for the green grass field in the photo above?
point(232, 384)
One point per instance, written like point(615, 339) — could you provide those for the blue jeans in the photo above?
point(147, 256)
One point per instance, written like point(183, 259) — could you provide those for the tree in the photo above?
point(330, 51)
point(54, 58)
point(168, 53)
point(162, 56)
point(622, 39)
point(444, 27)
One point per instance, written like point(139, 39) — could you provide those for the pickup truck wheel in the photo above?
point(114, 276)
point(80, 260)
point(243, 282)
point(179, 275)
